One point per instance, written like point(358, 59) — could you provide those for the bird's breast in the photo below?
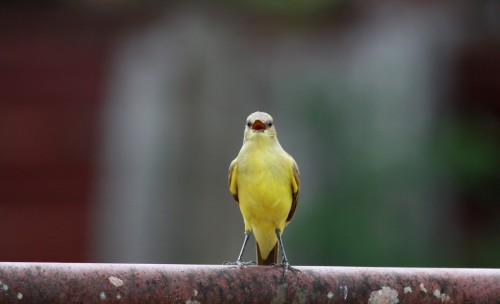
point(264, 183)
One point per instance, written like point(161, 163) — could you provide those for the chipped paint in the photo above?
point(19, 296)
point(442, 296)
point(437, 293)
point(408, 289)
point(195, 293)
point(102, 296)
point(329, 295)
point(386, 295)
point(345, 291)
point(118, 296)
point(115, 281)
point(422, 288)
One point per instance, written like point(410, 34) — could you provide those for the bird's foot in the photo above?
point(239, 263)
point(286, 266)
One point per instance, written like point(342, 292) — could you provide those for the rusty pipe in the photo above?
point(142, 283)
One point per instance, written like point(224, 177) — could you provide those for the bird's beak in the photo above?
point(258, 125)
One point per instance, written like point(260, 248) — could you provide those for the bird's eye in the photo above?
point(249, 124)
point(269, 124)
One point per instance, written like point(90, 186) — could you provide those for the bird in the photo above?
point(264, 181)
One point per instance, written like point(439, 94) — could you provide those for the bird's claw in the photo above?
point(239, 263)
point(286, 266)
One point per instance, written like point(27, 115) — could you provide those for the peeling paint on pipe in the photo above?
point(140, 283)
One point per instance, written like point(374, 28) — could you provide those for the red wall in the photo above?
point(52, 70)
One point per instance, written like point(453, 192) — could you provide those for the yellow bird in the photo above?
point(264, 181)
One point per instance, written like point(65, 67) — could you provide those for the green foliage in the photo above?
point(397, 213)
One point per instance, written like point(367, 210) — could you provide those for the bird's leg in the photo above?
point(239, 262)
point(284, 261)
point(240, 256)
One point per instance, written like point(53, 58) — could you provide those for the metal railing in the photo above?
point(144, 283)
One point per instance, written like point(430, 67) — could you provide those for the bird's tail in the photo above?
point(272, 258)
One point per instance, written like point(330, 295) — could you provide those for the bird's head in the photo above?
point(259, 124)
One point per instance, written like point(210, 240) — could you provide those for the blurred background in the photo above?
point(118, 121)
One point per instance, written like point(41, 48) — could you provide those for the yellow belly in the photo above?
point(265, 197)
